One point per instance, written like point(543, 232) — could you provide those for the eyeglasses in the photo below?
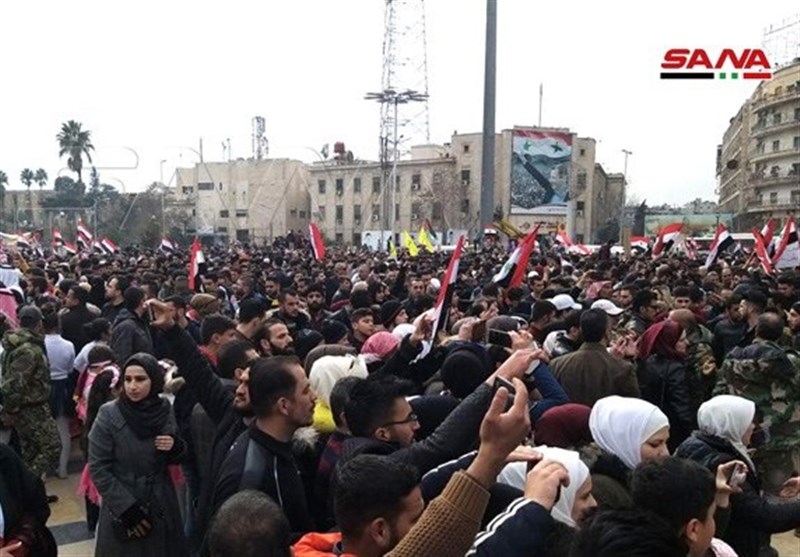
point(410, 419)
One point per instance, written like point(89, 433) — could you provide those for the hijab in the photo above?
point(147, 417)
point(728, 417)
point(564, 426)
point(661, 339)
point(515, 473)
point(327, 370)
point(621, 426)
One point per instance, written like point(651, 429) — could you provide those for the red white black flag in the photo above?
point(441, 310)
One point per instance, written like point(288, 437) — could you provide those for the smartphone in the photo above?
point(736, 476)
point(479, 331)
point(498, 337)
point(150, 313)
point(512, 392)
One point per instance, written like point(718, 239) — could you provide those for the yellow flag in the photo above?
point(424, 240)
point(409, 244)
point(392, 250)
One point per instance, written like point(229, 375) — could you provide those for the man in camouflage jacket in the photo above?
point(769, 375)
point(25, 390)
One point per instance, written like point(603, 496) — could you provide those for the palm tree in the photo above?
point(3, 184)
point(41, 178)
point(75, 142)
point(27, 177)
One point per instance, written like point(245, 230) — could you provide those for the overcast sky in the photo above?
point(154, 77)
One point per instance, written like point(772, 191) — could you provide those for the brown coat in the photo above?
point(591, 373)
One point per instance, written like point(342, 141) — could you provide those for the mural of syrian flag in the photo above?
point(441, 310)
point(84, 238)
point(667, 237)
point(787, 255)
point(197, 263)
point(58, 239)
point(513, 270)
point(540, 178)
point(316, 241)
point(722, 241)
point(109, 246)
point(167, 245)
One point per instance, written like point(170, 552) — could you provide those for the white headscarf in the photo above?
point(514, 474)
point(728, 417)
point(621, 425)
point(327, 370)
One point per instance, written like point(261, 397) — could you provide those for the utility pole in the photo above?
point(541, 98)
point(489, 85)
point(625, 224)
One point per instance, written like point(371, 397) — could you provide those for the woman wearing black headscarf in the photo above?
point(664, 379)
point(132, 441)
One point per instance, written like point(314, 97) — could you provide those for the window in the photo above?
point(437, 178)
point(376, 184)
point(396, 211)
point(339, 186)
point(339, 214)
point(397, 183)
point(302, 214)
point(205, 186)
point(194, 212)
point(220, 186)
point(242, 235)
point(795, 171)
point(795, 197)
point(188, 189)
point(241, 212)
point(466, 148)
point(224, 214)
point(776, 145)
point(797, 114)
point(773, 198)
point(579, 205)
point(760, 199)
point(321, 186)
point(223, 229)
point(356, 185)
point(581, 179)
point(416, 181)
point(583, 152)
point(357, 214)
point(776, 118)
point(293, 213)
point(321, 210)
point(376, 211)
point(465, 177)
point(416, 210)
point(339, 238)
point(465, 206)
point(775, 171)
point(436, 210)
point(796, 142)
point(760, 147)
point(356, 238)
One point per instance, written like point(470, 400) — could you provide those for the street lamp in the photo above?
point(390, 96)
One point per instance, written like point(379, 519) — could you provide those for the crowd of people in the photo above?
point(607, 406)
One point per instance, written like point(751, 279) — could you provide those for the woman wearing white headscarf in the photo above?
point(628, 431)
point(726, 425)
point(325, 372)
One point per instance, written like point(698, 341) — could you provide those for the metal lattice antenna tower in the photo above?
point(260, 145)
point(781, 41)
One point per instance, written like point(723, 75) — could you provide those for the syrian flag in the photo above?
point(667, 237)
point(787, 255)
point(23, 242)
point(513, 270)
point(196, 265)
point(760, 251)
point(431, 231)
point(442, 308)
point(316, 241)
point(722, 241)
point(71, 249)
point(563, 239)
point(768, 236)
point(109, 246)
point(640, 242)
point(167, 245)
point(58, 239)
point(85, 238)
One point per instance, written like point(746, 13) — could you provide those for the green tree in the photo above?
point(27, 177)
point(75, 143)
point(41, 178)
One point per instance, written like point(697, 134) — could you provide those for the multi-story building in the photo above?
point(758, 163)
point(244, 200)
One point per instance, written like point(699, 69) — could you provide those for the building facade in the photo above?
point(758, 162)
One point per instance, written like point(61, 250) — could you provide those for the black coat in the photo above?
point(727, 334)
point(21, 493)
point(665, 383)
point(72, 323)
point(753, 519)
point(130, 336)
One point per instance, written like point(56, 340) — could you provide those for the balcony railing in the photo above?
point(763, 180)
point(774, 154)
point(764, 129)
point(754, 207)
point(768, 100)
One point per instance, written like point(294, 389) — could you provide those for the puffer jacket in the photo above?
point(26, 371)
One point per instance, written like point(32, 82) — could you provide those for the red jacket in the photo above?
point(319, 545)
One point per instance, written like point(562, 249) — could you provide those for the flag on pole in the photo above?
point(196, 265)
point(431, 232)
point(167, 245)
point(787, 256)
point(71, 249)
point(768, 236)
point(667, 237)
point(109, 246)
point(761, 252)
point(722, 241)
point(409, 244)
point(392, 250)
point(441, 310)
point(640, 242)
point(513, 271)
point(424, 240)
point(85, 238)
point(316, 241)
point(58, 239)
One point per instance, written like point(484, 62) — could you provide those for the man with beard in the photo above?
point(273, 339)
point(729, 329)
point(315, 301)
point(289, 312)
point(227, 408)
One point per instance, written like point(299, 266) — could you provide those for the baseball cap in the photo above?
point(564, 301)
point(607, 306)
point(29, 316)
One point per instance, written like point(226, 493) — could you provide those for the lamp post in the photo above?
point(625, 229)
point(395, 98)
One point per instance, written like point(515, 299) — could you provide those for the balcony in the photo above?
point(762, 129)
point(768, 155)
point(767, 207)
point(772, 100)
point(760, 181)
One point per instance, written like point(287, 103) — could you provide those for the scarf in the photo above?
point(148, 417)
point(660, 339)
point(728, 417)
point(564, 426)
